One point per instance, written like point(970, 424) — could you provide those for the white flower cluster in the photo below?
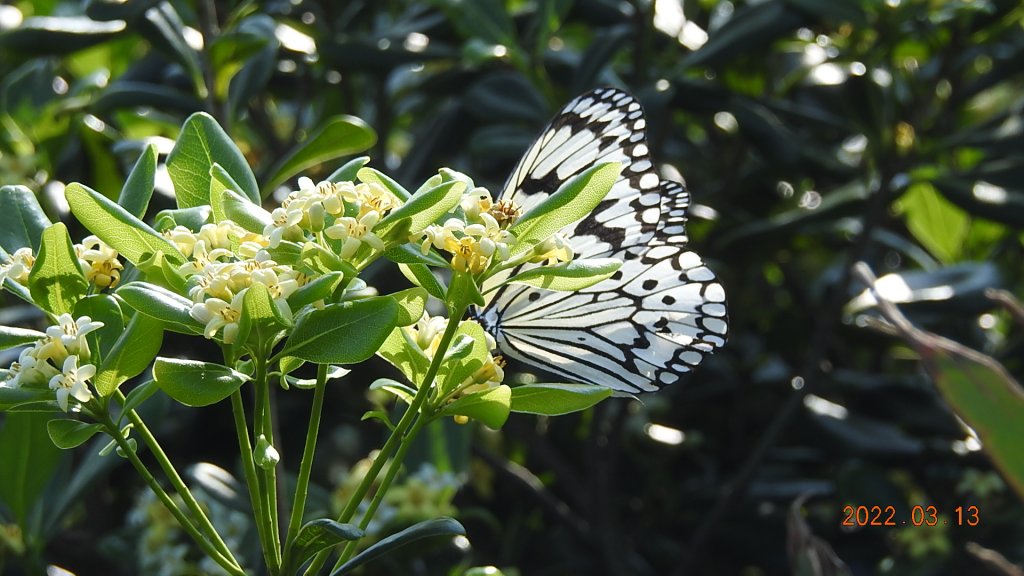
point(224, 260)
point(479, 239)
point(354, 210)
point(54, 361)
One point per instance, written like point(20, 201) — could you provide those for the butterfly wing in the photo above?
point(661, 313)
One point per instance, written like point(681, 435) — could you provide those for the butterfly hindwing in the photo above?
point(662, 312)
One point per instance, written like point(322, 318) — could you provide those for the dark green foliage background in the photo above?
point(812, 135)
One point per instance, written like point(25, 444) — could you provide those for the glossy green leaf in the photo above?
point(13, 397)
point(261, 319)
point(556, 399)
point(460, 365)
point(161, 304)
point(569, 276)
point(490, 407)
point(196, 383)
point(339, 136)
point(369, 175)
point(321, 534)
point(24, 219)
point(131, 354)
point(424, 208)
point(138, 187)
point(570, 203)
point(229, 204)
point(202, 143)
point(29, 460)
point(138, 395)
point(343, 333)
point(411, 304)
point(348, 171)
point(443, 527)
point(192, 218)
point(422, 276)
point(11, 336)
point(131, 237)
point(56, 281)
point(66, 433)
point(405, 355)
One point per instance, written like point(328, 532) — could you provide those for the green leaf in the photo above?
point(138, 187)
point(229, 204)
point(424, 208)
point(461, 364)
point(343, 333)
point(404, 355)
point(411, 304)
point(446, 527)
point(202, 143)
point(156, 302)
point(318, 535)
point(137, 346)
point(196, 383)
point(138, 395)
point(490, 406)
point(131, 237)
point(29, 459)
point(340, 136)
point(556, 399)
point(320, 289)
point(66, 433)
point(570, 203)
point(463, 288)
point(422, 276)
point(11, 336)
point(260, 317)
point(371, 176)
point(192, 218)
point(349, 170)
point(24, 219)
point(569, 276)
point(56, 281)
point(411, 254)
point(937, 223)
point(13, 397)
point(402, 391)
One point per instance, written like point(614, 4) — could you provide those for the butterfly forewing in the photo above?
point(661, 313)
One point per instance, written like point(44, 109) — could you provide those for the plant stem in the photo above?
point(267, 475)
point(306, 466)
point(226, 561)
point(389, 475)
point(179, 485)
point(249, 468)
point(399, 435)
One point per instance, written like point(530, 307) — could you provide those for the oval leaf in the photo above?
point(340, 136)
point(320, 534)
point(56, 281)
point(196, 383)
point(556, 399)
point(343, 333)
point(201, 144)
point(490, 407)
point(66, 433)
point(24, 219)
point(428, 529)
point(569, 276)
point(160, 303)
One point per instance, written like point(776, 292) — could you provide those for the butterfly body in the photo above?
point(661, 313)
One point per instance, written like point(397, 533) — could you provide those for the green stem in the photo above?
point(385, 485)
point(226, 561)
point(306, 466)
point(179, 485)
point(399, 434)
point(251, 479)
point(268, 475)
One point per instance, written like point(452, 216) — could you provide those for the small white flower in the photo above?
point(183, 238)
point(475, 202)
point(221, 234)
point(202, 256)
point(18, 268)
point(99, 262)
point(216, 314)
point(554, 250)
point(72, 382)
point(285, 223)
point(355, 232)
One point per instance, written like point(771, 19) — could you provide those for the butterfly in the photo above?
point(661, 313)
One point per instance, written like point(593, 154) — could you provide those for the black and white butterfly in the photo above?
point(661, 313)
